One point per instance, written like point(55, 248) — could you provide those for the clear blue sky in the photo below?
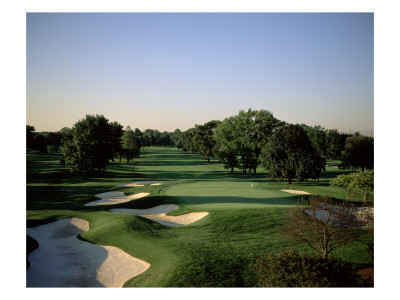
point(166, 71)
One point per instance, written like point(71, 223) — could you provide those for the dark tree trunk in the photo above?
point(289, 180)
point(231, 169)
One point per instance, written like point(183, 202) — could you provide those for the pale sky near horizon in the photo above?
point(173, 70)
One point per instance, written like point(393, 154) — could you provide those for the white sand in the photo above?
point(360, 213)
point(110, 198)
point(62, 260)
point(158, 183)
point(295, 192)
point(136, 183)
point(183, 219)
point(158, 214)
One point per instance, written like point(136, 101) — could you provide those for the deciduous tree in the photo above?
point(345, 181)
point(364, 181)
point(130, 144)
point(359, 152)
point(91, 144)
point(324, 226)
point(30, 132)
point(226, 149)
point(204, 136)
point(289, 155)
point(335, 143)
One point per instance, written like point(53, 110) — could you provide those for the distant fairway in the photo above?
point(228, 195)
point(201, 185)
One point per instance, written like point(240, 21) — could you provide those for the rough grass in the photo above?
point(242, 224)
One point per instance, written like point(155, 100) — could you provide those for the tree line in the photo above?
point(50, 142)
point(93, 142)
point(245, 141)
point(256, 138)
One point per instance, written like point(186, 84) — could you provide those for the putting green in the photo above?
point(223, 195)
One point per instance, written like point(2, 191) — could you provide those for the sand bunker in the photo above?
point(334, 214)
point(62, 260)
point(158, 183)
point(110, 198)
point(295, 192)
point(158, 214)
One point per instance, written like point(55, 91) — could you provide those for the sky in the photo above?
point(174, 70)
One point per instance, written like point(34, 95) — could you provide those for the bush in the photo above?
point(293, 269)
point(52, 149)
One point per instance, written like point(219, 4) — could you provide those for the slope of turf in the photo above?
point(243, 221)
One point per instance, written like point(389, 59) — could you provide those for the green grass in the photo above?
point(243, 222)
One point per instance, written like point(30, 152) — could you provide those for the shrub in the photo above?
point(293, 269)
point(52, 149)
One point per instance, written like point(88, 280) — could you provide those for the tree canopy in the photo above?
point(204, 135)
point(364, 181)
point(344, 181)
point(91, 144)
point(358, 152)
point(225, 147)
point(289, 155)
point(30, 133)
point(130, 144)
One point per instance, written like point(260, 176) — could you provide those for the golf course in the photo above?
point(187, 221)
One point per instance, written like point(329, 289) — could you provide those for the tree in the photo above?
point(53, 140)
point(130, 145)
point(264, 126)
point(39, 143)
point(165, 139)
point(147, 138)
point(115, 139)
point(225, 148)
point(65, 131)
point(364, 181)
point(317, 136)
point(323, 226)
point(204, 136)
point(345, 181)
point(91, 144)
point(176, 138)
point(139, 137)
point(358, 152)
point(245, 135)
point(289, 155)
point(30, 133)
point(188, 141)
point(335, 143)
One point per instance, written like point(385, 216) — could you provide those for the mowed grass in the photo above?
point(229, 195)
point(243, 223)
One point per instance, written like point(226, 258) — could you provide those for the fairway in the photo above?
point(243, 214)
point(228, 195)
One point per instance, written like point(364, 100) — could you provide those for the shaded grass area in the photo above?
point(218, 250)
